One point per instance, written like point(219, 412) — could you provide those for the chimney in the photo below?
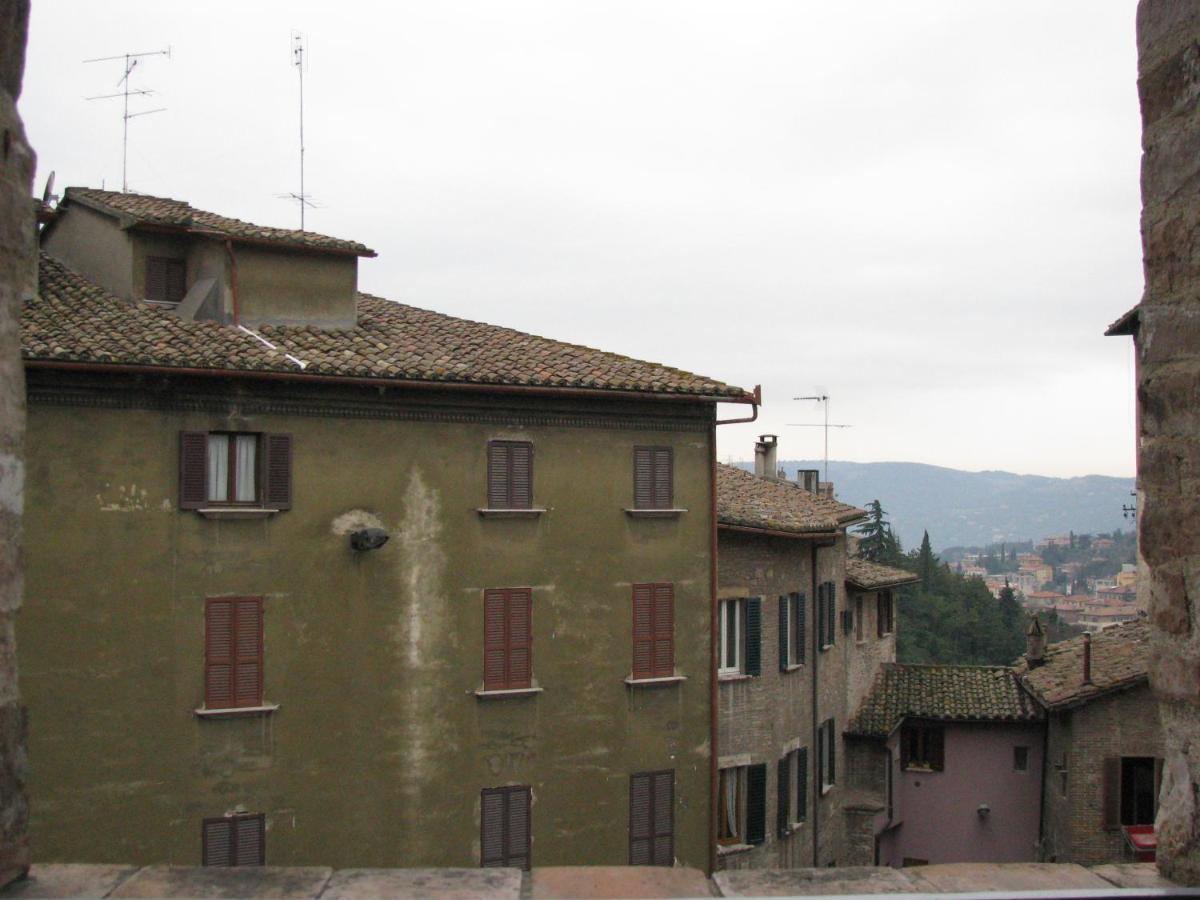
point(808, 479)
point(766, 456)
point(1035, 641)
point(1087, 658)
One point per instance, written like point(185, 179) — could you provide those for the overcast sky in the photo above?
point(926, 210)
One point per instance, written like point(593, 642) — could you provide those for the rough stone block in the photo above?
point(69, 880)
point(618, 881)
point(214, 881)
point(445, 884)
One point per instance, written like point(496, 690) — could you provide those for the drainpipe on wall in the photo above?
point(233, 282)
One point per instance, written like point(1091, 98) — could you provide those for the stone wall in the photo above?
point(1168, 348)
point(17, 280)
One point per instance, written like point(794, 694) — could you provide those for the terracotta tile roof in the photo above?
point(163, 212)
point(747, 500)
point(1120, 659)
point(943, 693)
point(75, 320)
point(862, 573)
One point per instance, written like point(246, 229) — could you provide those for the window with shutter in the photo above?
point(653, 630)
point(922, 747)
point(236, 840)
point(732, 639)
point(653, 478)
point(827, 755)
point(822, 640)
point(831, 612)
point(504, 827)
point(507, 639)
point(785, 659)
point(510, 475)
point(756, 803)
point(801, 784)
point(222, 468)
point(233, 652)
point(652, 818)
point(783, 793)
point(791, 631)
point(753, 636)
point(165, 279)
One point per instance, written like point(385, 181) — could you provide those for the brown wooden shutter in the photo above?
point(216, 841)
point(249, 843)
point(663, 477)
point(219, 635)
point(1112, 794)
point(521, 489)
point(517, 827)
point(664, 818)
point(174, 280)
point(641, 840)
point(664, 630)
point(156, 278)
point(193, 469)
point(520, 637)
point(277, 471)
point(495, 640)
point(643, 631)
point(249, 652)
point(643, 477)
point(497, 475)
point(491, 827)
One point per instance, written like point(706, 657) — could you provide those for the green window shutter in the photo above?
point(784, 633)
point(832, 738)
point(802, 785)
point(756, 803)
point(754, 636)
point(821, 618)
point(801, 613)
point(831, 612)
point(783, 772)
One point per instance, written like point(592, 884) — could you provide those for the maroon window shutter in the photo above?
point(518, 828)
point(664, 819)
point(664, 630)
point(497, 475)
point(491, 827)
point(643, 631)
point(249, 844)
point(277, 471)
point(156, 278)
point(193, 469)
point(219, 631)
point(495, 640)
point(520, 457)
point(520, 637)
point(216, 840)
point(174, 280)
point(249, 649)
point(643, 478)
point(1112, 793)
point(663, 477)
point(641, 839)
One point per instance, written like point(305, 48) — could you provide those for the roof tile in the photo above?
point(862, 573)
point(750, 501)
point(1120, 659)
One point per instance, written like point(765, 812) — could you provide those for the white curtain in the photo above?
point(218, 468)
point(244, 450)
point(730, 778)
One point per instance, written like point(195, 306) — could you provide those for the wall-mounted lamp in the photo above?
point(368, 539)
point(983, 810)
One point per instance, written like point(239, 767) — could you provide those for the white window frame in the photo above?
point(738, 773)
point(738, 638)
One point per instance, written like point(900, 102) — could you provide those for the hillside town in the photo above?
point(331, 595)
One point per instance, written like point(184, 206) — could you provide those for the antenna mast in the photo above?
point(131, 61)
point(298, 61)
point(824, 400)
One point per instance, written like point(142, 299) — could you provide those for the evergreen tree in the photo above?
point(926, 562)
point(875, 535)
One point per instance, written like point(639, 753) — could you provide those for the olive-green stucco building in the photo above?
point(317, 578)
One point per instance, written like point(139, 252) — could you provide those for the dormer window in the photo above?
point(165, 278)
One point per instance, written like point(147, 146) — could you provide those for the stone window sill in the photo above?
point(793, 667)
point(234, 712)
point(491, 512)
point(511, 692)
point(793, 827)
point(733, 676)
point(826, 788)
point(670, 513)
point(924, 770)
point(733, 849)
point(236, 512)
point(654, 682)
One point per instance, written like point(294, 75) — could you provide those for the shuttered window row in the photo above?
point(233, 652)
point(504, 827)
point(238, 840)
point(165, 279)
point(507, 639)
point(652, 818)
point(235, 468)
point(510, 475)
point(653, 630)
point(653, 477)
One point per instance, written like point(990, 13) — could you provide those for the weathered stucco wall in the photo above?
point(281, 288)
point(936, 813)
point(1122, 724)
point(18, 274)
point(380, 747)
point(1168, 347)
point(88, 241)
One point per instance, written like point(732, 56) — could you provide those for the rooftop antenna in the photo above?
point(823, 399)
point(298, 61)
point(131, 61)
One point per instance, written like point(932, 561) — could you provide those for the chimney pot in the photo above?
point(766, 456)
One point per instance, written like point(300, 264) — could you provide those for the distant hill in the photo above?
point(976, 508)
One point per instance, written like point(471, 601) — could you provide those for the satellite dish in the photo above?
point(47, 196)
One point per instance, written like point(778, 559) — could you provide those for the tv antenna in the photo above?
point(298, 61)
point(131, 61)
point(824, 400)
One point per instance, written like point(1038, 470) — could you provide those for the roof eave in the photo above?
point(882, 584)
point(1127, 324)
point(813, 535)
